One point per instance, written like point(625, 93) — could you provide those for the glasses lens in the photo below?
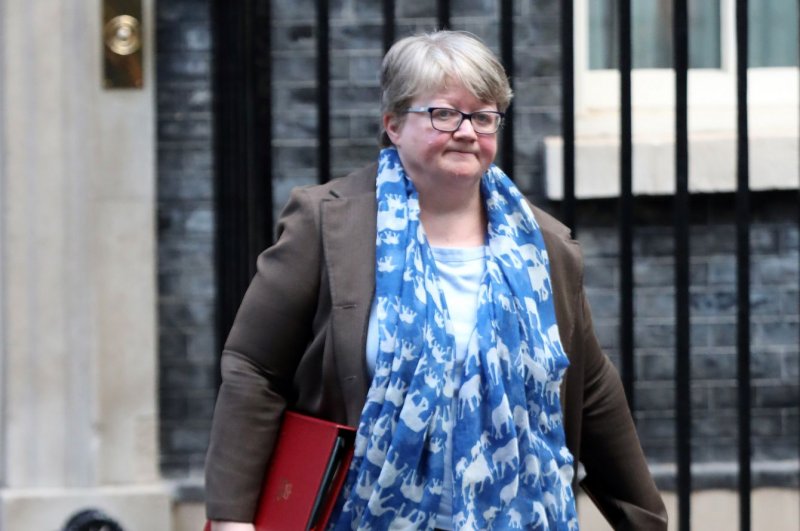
point(445, 119)
point(485, 122)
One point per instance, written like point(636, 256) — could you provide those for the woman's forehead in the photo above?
point(453, 90)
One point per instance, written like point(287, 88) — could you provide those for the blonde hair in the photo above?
point(425, 63)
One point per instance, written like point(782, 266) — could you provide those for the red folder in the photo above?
point(305, 474)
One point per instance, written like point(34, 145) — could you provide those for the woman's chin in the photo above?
point(466, 171)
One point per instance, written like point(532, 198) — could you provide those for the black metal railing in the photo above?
point(683, 411)
point(323, 92)
point(243, 167)
point(568, 112)
point(244, 174)
point(626, 202)
point(743, 267)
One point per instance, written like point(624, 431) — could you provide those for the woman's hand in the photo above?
point(232, 526)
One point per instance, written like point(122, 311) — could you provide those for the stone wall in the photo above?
point(78, 354)
point(186, 230)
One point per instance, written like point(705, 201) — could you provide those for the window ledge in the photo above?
point(712, 164)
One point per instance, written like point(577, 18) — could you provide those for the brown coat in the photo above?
point(299, 341)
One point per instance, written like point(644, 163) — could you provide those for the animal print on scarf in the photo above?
point(511, 466)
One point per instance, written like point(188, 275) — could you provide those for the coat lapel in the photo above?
point(348, 237)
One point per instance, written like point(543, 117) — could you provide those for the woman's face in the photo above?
point(436, 160)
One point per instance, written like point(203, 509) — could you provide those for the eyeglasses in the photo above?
point(448, 120)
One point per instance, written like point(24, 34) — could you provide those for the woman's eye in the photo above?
point(444, 114)
point(483, 118)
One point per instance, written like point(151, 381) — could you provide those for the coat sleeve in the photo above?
point(617, 478)
point(259, 359)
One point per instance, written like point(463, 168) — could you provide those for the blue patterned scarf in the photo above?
point(511, 466)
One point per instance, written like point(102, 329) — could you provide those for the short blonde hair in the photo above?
point(424, 63)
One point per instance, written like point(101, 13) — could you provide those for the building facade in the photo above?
point(108, 240)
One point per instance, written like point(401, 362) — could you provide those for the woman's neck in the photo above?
point(454, 224)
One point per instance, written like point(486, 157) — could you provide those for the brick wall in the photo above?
point(774, 329)
point(188, 358)
point(356, 42)
point(187, 341)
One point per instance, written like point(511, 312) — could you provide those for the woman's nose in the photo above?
point(465, 129)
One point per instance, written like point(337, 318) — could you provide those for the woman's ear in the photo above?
point(392, 125)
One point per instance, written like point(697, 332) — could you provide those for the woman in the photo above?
point(425, 302)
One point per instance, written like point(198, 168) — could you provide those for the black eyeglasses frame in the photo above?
point(464, 115)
